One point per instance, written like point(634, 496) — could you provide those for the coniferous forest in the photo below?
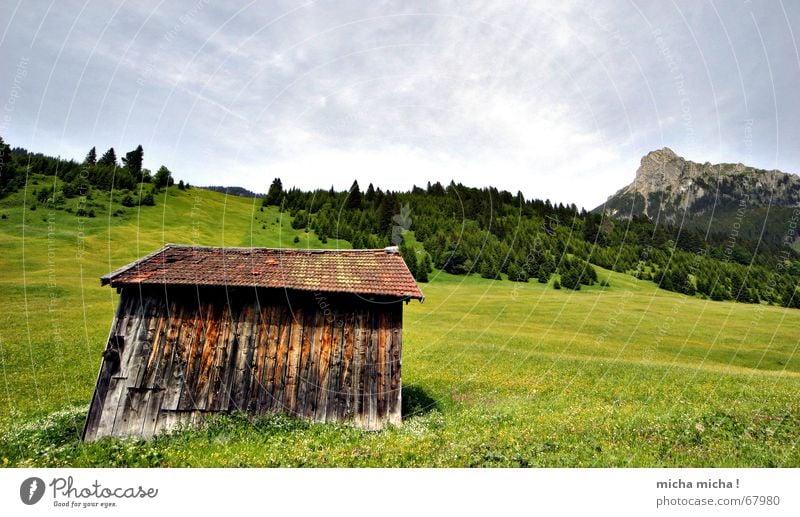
point(456, 228)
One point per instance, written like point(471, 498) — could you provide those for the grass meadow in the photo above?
point(495, 373)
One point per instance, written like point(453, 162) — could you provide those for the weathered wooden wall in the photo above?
point(174, 355)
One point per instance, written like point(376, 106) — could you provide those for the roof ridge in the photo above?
point(388, 249)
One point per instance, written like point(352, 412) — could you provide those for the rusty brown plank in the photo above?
point(217, 396)
point(346, 382)
point(322, 369)
point(211, 333)
point(176, 374)
point(194, 361)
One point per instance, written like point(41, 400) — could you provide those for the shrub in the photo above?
point(148, 200)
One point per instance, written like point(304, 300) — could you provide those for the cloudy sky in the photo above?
point(557, 99)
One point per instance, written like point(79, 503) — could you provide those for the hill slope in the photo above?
point(495, 373)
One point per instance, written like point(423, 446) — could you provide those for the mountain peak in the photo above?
point(660, 156)
point(667, 185)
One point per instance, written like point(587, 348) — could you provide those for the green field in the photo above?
point(495, 373)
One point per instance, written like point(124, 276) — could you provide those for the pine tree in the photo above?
point(790, 296)
point(354, 197)
point(109, 158)
point(387, 209)
point(546, 269)
point(163, 177)
point(91, 157)
point(423, 268)
point(133, 161)
point(274, 194)
point(7, 172)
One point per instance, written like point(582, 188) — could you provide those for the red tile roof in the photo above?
point(366, 272)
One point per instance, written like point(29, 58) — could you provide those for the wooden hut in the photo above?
point(199, 330)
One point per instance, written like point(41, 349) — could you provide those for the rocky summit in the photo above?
point(672, 190)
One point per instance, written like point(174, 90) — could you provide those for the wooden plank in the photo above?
point(281, 358)
point(238, 355)
point(183, 346)
point(323, 363)
point(244, 363)
point(370, 392)
point(268, 393)
point(395, 415)
point(168, 420)
point(205, 368)
point(293, 359)
point(151, 402)
point(304, 368)
point(346, 381)
point(381, 375)
point(109, 366)
point(315, 351)
point(359, 346)
point(128, 419)
point(157, 375)
point(194, 360)
point(228, 372)
point(116, 390)
point(257, 389)
point(336, 397)
point(175, 375)
point(217, 396)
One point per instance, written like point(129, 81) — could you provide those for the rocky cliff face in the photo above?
point(671, 189)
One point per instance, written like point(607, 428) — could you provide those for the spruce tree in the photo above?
point(354, 197)
point(91, 157)
point(275, 193)
point(109, 158)
point(7, 171)
point(163, 177)
point(133, 161)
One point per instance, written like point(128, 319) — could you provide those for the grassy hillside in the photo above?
point(495, 373)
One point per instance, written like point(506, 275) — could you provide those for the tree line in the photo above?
point(498, 234)
point(134, 184)
point(465, 230)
